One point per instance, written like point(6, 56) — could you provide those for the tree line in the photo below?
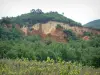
point(38, 16)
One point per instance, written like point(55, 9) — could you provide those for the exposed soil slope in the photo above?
point(49, 28)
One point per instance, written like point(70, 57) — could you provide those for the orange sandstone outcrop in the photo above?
point(86, 38)
point(49, 28)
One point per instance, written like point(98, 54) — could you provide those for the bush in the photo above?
point(85, 52)
point(70, 35)
point(87, 34)
point(59, 26)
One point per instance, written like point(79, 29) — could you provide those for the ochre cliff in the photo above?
point(49, 28)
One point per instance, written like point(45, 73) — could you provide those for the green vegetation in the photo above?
point(70, 35)
point(14, 45)
point(58, 26)
point(32, 55)
point(34, 48)
point(48, 67)
point(87, 34)
point(9, 34)
point(38, 16)
point(93, 24)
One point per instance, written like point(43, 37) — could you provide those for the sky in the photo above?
point(82, 11)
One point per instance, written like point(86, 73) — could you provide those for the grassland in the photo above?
point(49, 67)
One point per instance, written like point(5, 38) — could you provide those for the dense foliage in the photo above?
point(87, 34)
point(70, 34)
point(14, 45)
point(8, 34)
point(48, 55)
point(38, 16)
point(59, 26)
point(94, 24)
point(34, 48)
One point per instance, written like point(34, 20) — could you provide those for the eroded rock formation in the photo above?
point(49, 28)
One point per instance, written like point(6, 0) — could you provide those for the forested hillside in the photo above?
point(56, 57)
point(38, 16)
point(93, 24)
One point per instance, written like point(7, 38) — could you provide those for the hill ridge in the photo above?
point(93, 24)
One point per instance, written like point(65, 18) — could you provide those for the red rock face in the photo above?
point(79, 31)
point(58, 35)
point(34, 32)
point(49, 30)
point(86, 38)
point(25, 30)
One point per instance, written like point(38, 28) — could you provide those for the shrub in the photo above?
point(59, 26)
point(70, 35)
